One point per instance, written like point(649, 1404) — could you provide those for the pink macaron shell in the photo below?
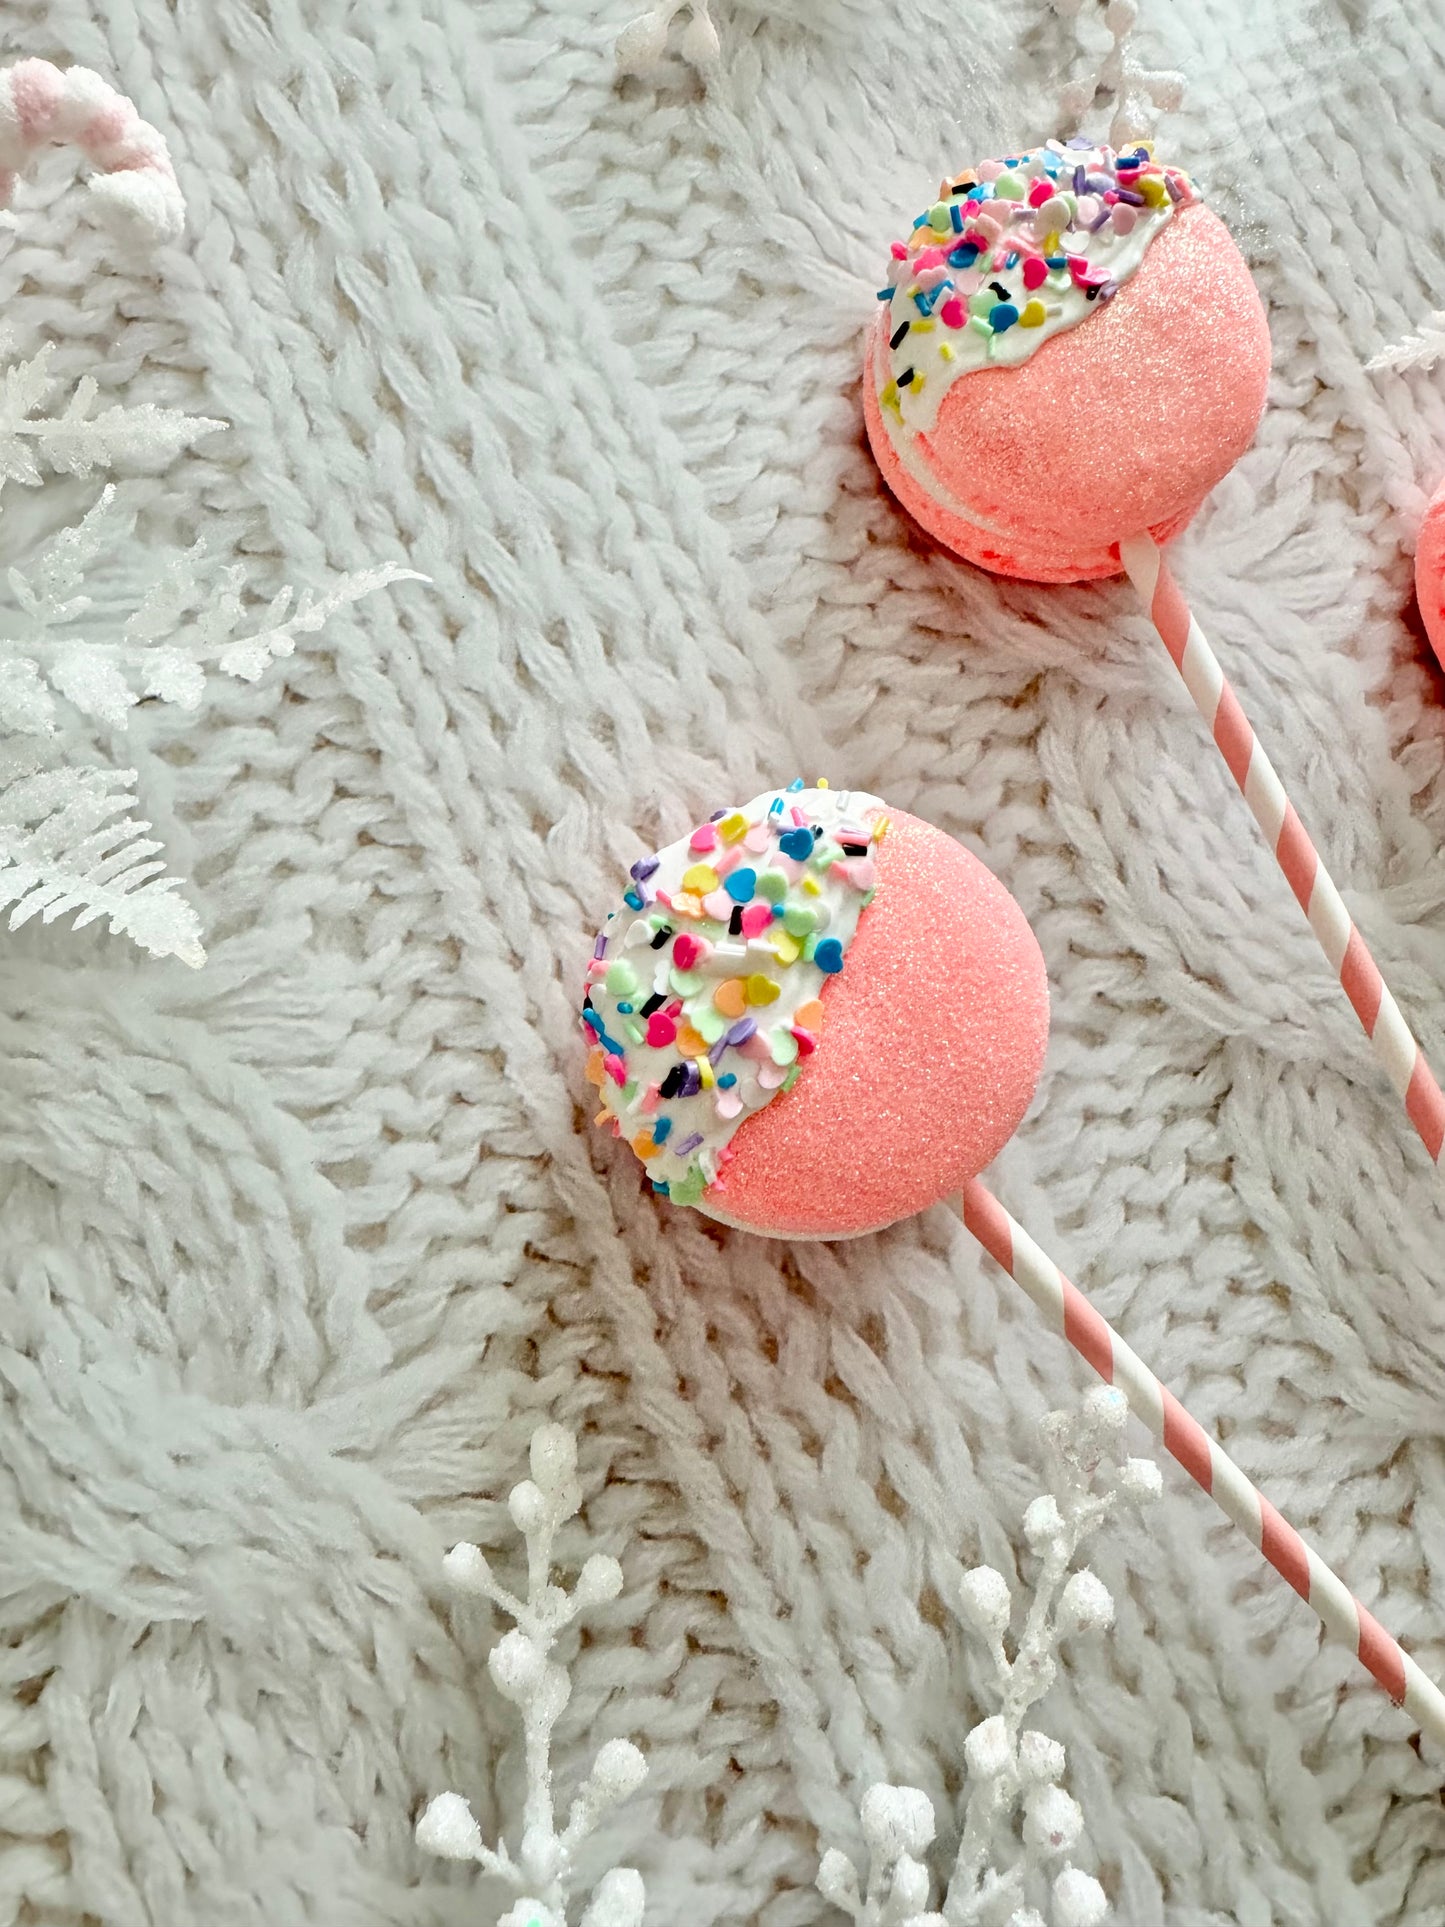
point(1430, 572)
point(934, 1039)
point(1123, 423)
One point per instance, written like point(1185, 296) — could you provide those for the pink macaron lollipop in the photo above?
point(1068, 355)
point(1024, 440)
point(812, 1017)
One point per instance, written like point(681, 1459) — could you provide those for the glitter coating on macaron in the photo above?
point(1034, 451)
point(926, 1047)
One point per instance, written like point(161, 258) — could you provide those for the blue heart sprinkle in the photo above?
point(798, 843)
point(829, 956)
point(741, 885)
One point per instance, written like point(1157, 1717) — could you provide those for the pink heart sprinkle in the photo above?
point(1087, 209)
point(756, 918)
point(898, 251)
point(756, 1047)
point(990, 170)
point(930, 277)
point(930, 258)
point(1035, 271)
point(704, 837)
point(686, 951)
point(1041, 191)
point(728, 1104)
point(862, 873)
point(952, 313)
point(807, 1043)
point(757, 838)
point(968, 282)
point(1123, 218)
point(718, 905)
point(661, 1030)
point(770, 1076)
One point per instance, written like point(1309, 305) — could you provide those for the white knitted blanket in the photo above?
point(297, 1252)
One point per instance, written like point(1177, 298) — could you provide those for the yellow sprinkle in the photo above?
point(888, 398)
point(880, 828)
point(1050, 243)
point(786, 948)
point(1034, 315)
point(701, 880)
point(915, 289)
point(705, 1071)
point(1153, 189)
point(732, 827)
point(812, 886)
point(821, 784)
point(922, 327)
point(761, 989)
point(945, 351)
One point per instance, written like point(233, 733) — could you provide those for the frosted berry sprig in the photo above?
point(1020, 1825)
point(542, 1870)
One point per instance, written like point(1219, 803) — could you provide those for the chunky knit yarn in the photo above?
point(298, 1252)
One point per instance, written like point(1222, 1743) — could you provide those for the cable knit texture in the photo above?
point(298, 1251)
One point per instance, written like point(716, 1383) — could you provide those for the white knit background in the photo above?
point(295, 1253)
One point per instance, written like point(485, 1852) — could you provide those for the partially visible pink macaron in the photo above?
point(856, 1029)
point(1430, 572)
point(1081, 357)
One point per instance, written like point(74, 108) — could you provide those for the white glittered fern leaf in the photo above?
point(69, 846)
point(80, 440)
point(1421, 350)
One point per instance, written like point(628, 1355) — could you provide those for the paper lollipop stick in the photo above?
point(1203, 1458)
point(799, 1059)
point(1314, 890)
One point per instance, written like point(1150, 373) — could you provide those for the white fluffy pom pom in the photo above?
point(448, 1830)
point(838, 1879)
point(910, 1886)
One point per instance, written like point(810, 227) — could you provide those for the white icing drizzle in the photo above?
point(946, 318)
point(636, 1056)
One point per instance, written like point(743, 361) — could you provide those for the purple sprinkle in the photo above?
point(688, 1145)
point(1095, 225)
point(1079, 178)
point(1100, 183)
point(599, 949)
point(1127, 195)
point(643, 867)
point(717, 816)
point(741, 1031)
point(691, 1081)
point(1079, 142)
point(1173, 189)
point(1108, 291)
point(714, 1056)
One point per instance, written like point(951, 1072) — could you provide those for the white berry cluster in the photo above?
point(1020, 1826)
point(541, 1872)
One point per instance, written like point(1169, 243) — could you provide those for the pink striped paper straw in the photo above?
point(1314, 889)
point(1203, 1458)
